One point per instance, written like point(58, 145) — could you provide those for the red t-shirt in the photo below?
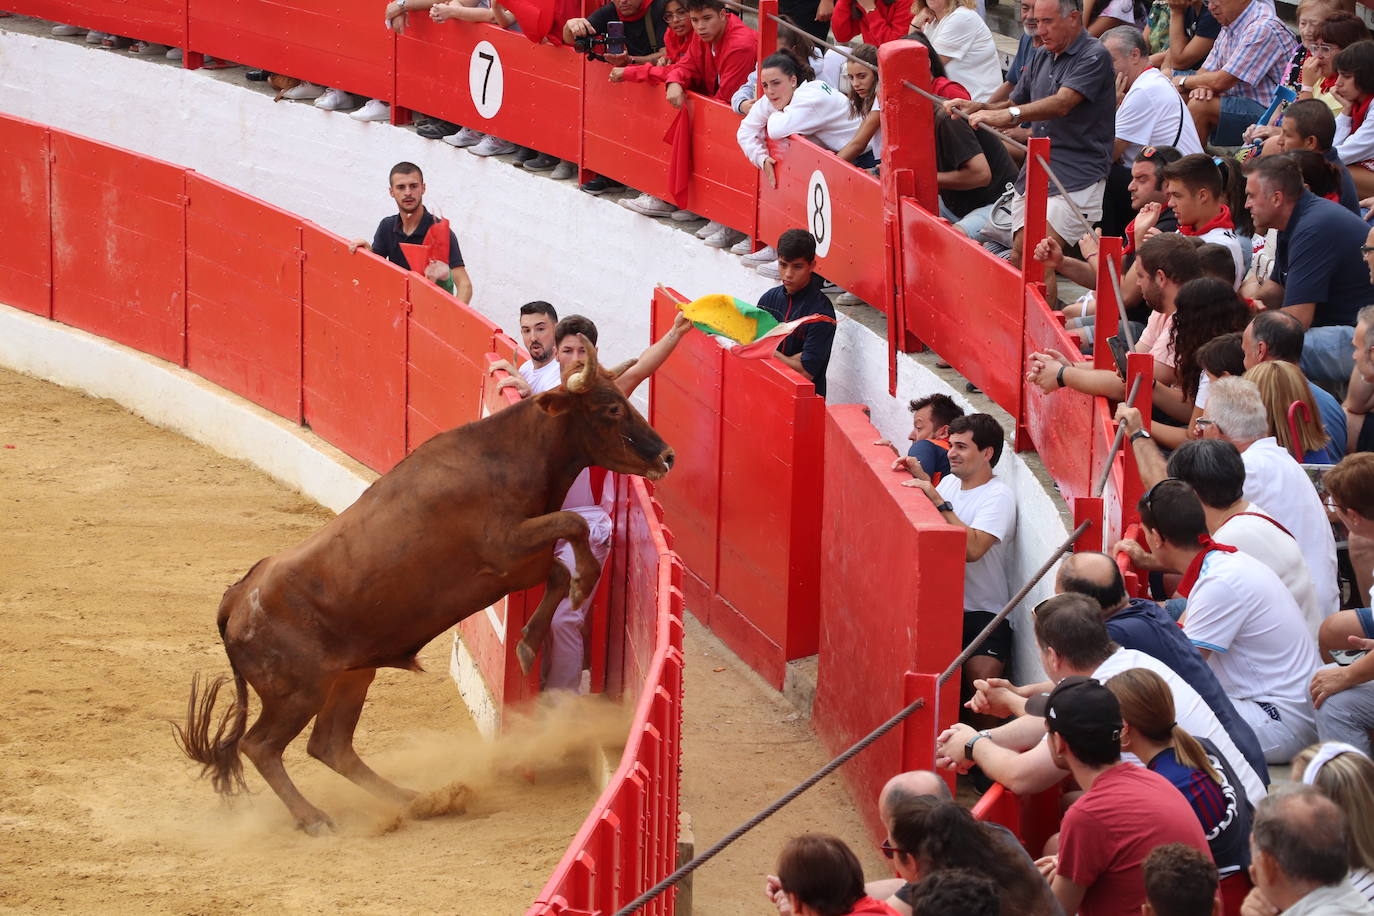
point(1108, 832)
point(718, 69)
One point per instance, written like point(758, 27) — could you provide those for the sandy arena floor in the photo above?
point(119, 539)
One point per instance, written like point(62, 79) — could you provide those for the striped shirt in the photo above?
point(1255, 49)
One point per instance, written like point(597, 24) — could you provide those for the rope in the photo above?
point(1116, 444)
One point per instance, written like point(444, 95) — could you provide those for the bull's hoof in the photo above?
point(317, 827)
point(525, 655)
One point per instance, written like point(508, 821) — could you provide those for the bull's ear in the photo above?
point(620, 370)
point(555, 402)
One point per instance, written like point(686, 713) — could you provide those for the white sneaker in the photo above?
point(492, 146)
point(563, 171)
point(743, 246)
point(848, 298)
point(769, 269)
point(174, 54)
point(334, 100)
point(95, 38)
point(303, 92)
point(466, 136)
point(766, 253)
point(724, 238)
point(372, 110)
point(708, 230)
point(647, 204)
point(683, 216)
point(67, 31)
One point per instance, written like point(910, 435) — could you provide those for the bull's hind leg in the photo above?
point(331, 740)
point(281, 720)
point(555, 590)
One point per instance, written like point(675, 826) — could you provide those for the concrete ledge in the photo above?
point(462, 667)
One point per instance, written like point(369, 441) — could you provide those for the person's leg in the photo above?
point(1362, 558)
point(1327, 356)
point(1348, 716)
point(989, 660)
point(1233, 116)
point(1205, 116)
point(973, 222)
point(1336, 630)
point(1278, 739)
point(566, 647)
point(1364, 180)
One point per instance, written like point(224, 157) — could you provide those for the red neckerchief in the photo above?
point(1195, 568)
point(1334, 197)
point(637, 16)
point(1357, 113)
point(1221, 221)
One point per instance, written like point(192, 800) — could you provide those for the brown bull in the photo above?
point(471, 516)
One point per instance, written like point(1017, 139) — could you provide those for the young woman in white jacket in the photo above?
point(793, 102)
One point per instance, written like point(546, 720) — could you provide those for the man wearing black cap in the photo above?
point(1125, 812)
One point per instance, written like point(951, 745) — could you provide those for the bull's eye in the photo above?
point(614, 411)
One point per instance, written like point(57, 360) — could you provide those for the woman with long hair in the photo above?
point(1193, 765)
point(1346, 776)
point(865, 148)
point(1203, 308)
point(1281, 384)
point(963, 42)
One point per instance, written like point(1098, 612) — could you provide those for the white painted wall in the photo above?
point(523, 236)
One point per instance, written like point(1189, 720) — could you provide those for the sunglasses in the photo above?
point(888, 849)
point(1201, 422)
point(1150, 495)
point(1366, 249)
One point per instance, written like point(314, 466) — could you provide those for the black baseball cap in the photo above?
point(1081, 710)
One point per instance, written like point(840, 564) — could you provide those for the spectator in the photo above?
point(930, 419)
point(964, 42)
point(878, 21)
point(1273, 479)
point(1242, 619)
point(794, 102)
point(1140, 624)
point(1073, 642)
point(1180, 881)
point(1274, 335)
point(1345, 775)
point(929, 836)
point(818, 875)
point(1067, 92)
point(410, 226)
point(865, 148)
point(1321, 177)
point(1340, 30)
point(723, 56)
point(1241, 74)
point(1311, 19)
point(974, 499)
point(1125, 812)
point(1344, 696)
point(1359, 398)
point(1309, 124)
point(1028, 42)
point(1301, 852)
point(803, 48)
point(1206, 196)
point(1220, 357)
point(1354, 132)
point(807, 349)
point(541, 371)
point(940, 83)
point(1182, 33)
point(955, 892)
point(1282, 385)
point(1195, 767)
point(972, 170)
point(644, 27)
point(1318, 275)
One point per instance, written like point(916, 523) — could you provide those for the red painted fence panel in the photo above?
point(1060, 423)
point(162, 21)
point(118, 234)
point(243, 295)
point(840, 205)
point(25, 256)
point(354, 335)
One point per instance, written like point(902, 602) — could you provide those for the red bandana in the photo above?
point(1221, 221)
point(1195, 568)
point(1358, 112)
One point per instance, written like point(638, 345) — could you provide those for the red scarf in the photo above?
point(1221, 221)
point(1194, 569)
point(1358, 112)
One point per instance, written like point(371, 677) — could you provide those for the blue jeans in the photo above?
point(1328, 355)
point(1236, 115)
point(972, 222)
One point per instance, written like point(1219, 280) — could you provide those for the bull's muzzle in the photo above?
point(665, 464)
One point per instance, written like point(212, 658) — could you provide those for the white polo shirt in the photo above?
point(1191, 712)
point(1266, 542)
point(991, 508)
point(545, 378)
point(1261, 649)
point(1273, 479)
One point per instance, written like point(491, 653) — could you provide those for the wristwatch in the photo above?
point(1015, 113)
point(968, 746)
point(944, 507)
point(1141, 433)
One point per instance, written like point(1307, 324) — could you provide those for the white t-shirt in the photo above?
point(1228, 239)
point(1152, 114)
point(990, 508)
point(1191, 712)
point(966, 40)
point(1273, 479)
point(875, 143)
point(545, 378)
point(1261, 650)
point(1263, 540)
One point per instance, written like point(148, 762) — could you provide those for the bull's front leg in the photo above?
point(542, 533)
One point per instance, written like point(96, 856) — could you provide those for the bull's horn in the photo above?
point(581, 381)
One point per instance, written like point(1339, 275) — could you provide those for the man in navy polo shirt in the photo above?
point(409, 226)
point(1319, 274)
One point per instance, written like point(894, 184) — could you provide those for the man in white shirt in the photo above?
point(541, 371)
point(1274, 479)
point(1242, 619)
point(1073, 641)
point(972, 498)
point(1151, 113)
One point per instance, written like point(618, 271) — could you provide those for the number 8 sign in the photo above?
point(485, 79)
point(819, 213)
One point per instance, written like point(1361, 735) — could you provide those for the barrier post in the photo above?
point(908, 123)
point(1107, 307)
point(1037, 199)
point(922, 726)
point(768, 31)
point(1088, 509)
point(1142, 366)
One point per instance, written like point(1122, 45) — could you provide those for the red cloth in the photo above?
point(718, 69)
point(1221, 221)
point(674, 49)
point(867, 906)
point(679, 136)
point(887, 22)
point(535, 18)
point(1194, 569)
point(947, 88)
point(436, 239)
point(1358, 111)
point(1106, 835)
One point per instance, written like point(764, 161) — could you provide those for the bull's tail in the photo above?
point(217, 753)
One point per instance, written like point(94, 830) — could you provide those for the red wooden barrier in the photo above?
point(1060, 423)
point(118, 243)
point(491, 80)
point(354, 342)
point(243, 295)
point(162, 21)
point(891, 600)
point(26, 256)
point(840, 205)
